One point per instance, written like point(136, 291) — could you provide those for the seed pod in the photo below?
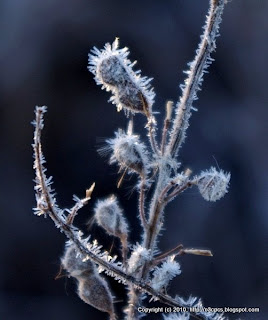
point(109, 215)
point(213, 184)
point(128, 152)
point(114, 72)
point(93, 290)
point(111, 71)
point(73, 262)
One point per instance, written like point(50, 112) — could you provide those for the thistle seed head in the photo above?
point(213, 184)
point(114, 72)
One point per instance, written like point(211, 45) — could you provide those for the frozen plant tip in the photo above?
point(213, 184)
point(114, 72)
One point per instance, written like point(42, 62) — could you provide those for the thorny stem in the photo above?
point(194, 80)
point(70, 231)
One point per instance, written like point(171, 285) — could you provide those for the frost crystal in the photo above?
point(213, 184)
point(114, 72)
point(163, 275)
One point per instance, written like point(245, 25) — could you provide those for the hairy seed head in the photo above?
point(72, 261)
point(94, 291)
point(114, 72)
point(128, 152)
point(110, 217)
point(213, 184)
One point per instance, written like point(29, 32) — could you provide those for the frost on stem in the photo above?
point(213, 184)
point(195, 75)
point(114, 72)
point(164, 274)
point(128, 152)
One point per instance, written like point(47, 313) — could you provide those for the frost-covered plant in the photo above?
point(142, 269)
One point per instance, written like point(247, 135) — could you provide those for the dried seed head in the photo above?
point(94, 291)
point(110, 217)
point(164, 274)
point(114, 72)
point(72, 261)
point(128, 152)
point(213, 184)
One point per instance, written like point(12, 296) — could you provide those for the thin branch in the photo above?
point(79, 204)
point(151, 124)
point(195, 75)
point(141, 203)
point(175, 251)
point(178, 190)
point(169, 106)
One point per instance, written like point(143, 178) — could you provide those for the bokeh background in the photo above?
point(43, 60)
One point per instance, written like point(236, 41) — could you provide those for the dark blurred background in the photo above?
point(43, 60)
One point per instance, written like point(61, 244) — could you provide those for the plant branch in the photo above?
point(195, 75)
